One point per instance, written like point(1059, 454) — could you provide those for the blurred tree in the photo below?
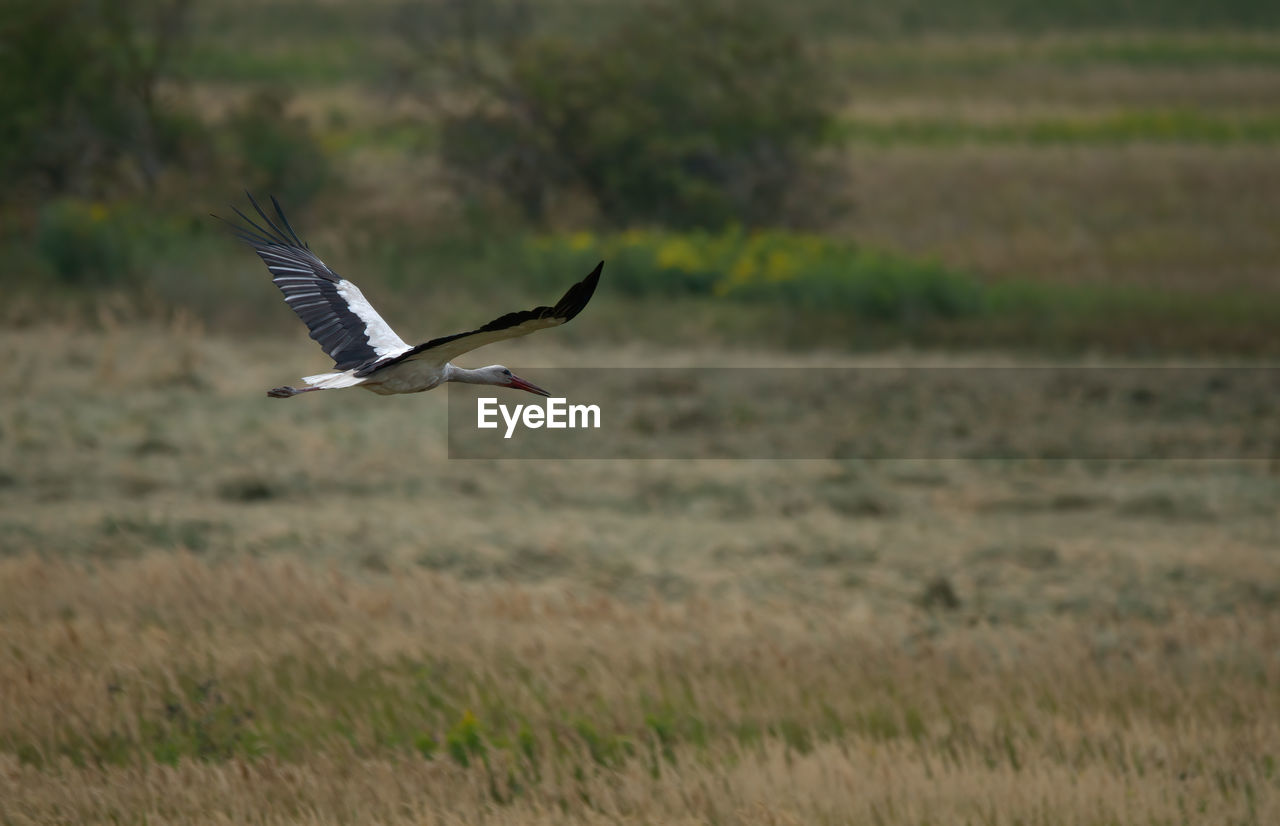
point(690, 113)
point(79, 86)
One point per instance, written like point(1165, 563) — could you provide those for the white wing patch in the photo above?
point(382, 338)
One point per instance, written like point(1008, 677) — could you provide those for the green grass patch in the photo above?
point(293, 708)
point(1137, 126)
point(979, 54)
point(1180, 52)
point(1029, 16)
point(831, 284)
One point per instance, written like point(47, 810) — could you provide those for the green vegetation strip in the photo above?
point(822, 274)
point(985, 54)
point(769, 287)
point(360, 53)
point(1153, 126)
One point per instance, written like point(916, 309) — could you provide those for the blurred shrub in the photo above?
point(278, 153)
point(79, 88)
point(83, 244)
point(787, 268)
point(698, 113)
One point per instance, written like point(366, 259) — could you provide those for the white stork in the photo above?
point(366, 351)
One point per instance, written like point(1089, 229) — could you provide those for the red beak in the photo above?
point(520, 384)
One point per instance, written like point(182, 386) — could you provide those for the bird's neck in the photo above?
point(464, 376)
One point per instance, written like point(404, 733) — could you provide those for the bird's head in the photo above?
point(501, 376)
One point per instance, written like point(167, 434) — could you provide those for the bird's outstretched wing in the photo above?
point(512, 325)
point(338, 315)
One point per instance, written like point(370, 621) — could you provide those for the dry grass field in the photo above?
point(215, 607)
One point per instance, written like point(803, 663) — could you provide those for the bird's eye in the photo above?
point(506, 372)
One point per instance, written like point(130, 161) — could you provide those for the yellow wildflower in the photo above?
point(742, 271)
point(679, 254)
point(634, 238)
point(779, 266)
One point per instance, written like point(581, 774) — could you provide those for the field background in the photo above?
point(219, 608)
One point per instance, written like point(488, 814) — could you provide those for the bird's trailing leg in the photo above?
point(286, 392)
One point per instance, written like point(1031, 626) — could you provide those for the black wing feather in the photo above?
point(569, 305)
point(315, 292)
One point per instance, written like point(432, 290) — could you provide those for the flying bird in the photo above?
point(366, 351)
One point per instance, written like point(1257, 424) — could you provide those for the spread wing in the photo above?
point(512, 325)
point(338, 315)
